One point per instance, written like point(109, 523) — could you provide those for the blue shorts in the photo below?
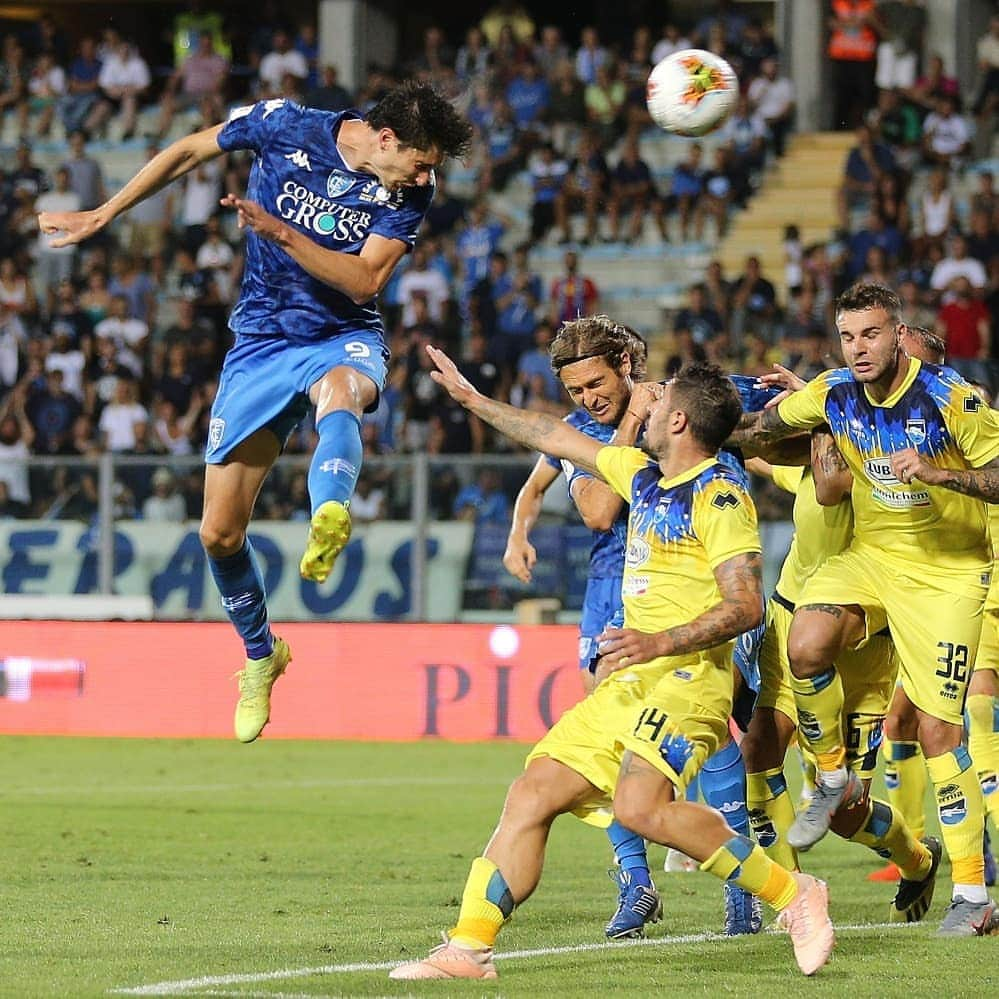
point(601, 603)
point(265, 382)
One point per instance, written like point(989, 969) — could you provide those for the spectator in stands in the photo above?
point(852, 51)
point(201, 190)
point(963, 321)
point(129, 334)
point(451, 431)
point(476, 242)
point(772, 97)
point(933, 85)
point(368, 504)
point(685, 351)
point(82, 90)
point(281, 59)
point(587, 183)
point(217, 257)
point(984, 198)
point(446, 212)
point(16, 437)
point(418, 276)
point(507, 14)
point(52, 410)
point(307, 42)
point(95, 299)
point(902, 25)
point(18, 305)
point(551, 51)
point(528, 95)
point(522, 274)
point(152, 219)
point(165, 504)
point(135, 285)
point(671, 40)
point(754, 299)
point(633, 191)
point(85, 175)
point(900, 126)
point(946, 134)
point(605, 100)
point(572, 295)
point(726, 19)
point(865, 164)
point(745, 134)
point(200, 80)
point(815, 356)
point(687, 187)
point(914, 306)
point(754, 46)
point(484, 501)
point(13, 77)
point(548, 176)
point(474, 57)
point(123, 80)
point(698, 318)
point(987, 49)
point(937, 213)
point(955, 266)
point(27, 176)
point(877, 269)
point(566, 114)
point(53, 265)
point(124, 421)
point(436, 57)
point(329, 94)
point(590, 56)
point(536, 364)
point(717, 290)
point(68, 317)
point(719, 193)
point(46, 87)
point(505, 148)
point(874, 233)
point(983, 240)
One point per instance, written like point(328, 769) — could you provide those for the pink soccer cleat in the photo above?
point(806, 919)
point(449, 960)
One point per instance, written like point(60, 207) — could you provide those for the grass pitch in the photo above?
point(306, 869)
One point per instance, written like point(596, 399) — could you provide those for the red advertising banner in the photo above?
point(346, 681)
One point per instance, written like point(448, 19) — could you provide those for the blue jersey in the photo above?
point(299, 175)
point(607, 552)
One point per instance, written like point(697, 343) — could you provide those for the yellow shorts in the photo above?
point(988, 646)
point(868, 676)
point(674, 718)
point(935, 619)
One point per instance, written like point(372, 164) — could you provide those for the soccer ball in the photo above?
point(691, 92)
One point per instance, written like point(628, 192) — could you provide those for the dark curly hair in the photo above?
point(422, 119)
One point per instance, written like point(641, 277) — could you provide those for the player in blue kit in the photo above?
point(333, 203)
point(601, 364)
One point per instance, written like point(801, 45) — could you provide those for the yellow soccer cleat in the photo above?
point(328, 536)
point(255, 681)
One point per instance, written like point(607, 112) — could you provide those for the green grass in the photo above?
point(135, 862)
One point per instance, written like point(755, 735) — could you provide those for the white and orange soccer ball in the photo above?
point(691, 92)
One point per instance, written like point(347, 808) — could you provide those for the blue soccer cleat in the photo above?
point(743, 912)
point(636, 906)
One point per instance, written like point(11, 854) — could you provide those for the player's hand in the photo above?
point(624, 647)
point(910, 464)
point(75, 226)
point(450, 378)
point(249, 215)
point(519, 558)
point(643, 395)
point(782, 378)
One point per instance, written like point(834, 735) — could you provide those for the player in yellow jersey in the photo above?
point(924, 454)
point(691, 584)
point(867, 675)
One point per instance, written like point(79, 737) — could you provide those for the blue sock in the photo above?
point(629, 852)
point(241, 587)
point(723, 783)
point(337, 459)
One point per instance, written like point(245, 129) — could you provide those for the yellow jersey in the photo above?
point(819, 531)
point(679, 531)
point(939, 415)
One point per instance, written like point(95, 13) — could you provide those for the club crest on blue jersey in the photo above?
point(661, 510)
point(915, 430)
point(216, 430)
point(338, 183)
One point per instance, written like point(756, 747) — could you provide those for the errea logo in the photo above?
point(300, 158)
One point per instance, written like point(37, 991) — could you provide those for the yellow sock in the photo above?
point(983, 744)
point(742, 861)
point(906, 780)
point(961, 808)
point(771, 814)
point(486, 904)
point(819, 700)
point(886, 833)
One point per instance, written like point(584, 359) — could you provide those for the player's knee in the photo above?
point(808, 654)
point(901, 726)
point(529, 801)
point(220, 540)
point(633, 812)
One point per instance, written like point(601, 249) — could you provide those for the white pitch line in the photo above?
point(186, 986)
point(90, 790)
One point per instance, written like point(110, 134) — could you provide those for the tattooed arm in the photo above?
point(740, 581)
point(832, 475)
point(755, 431)
point(538, 431)
point(790, 451)
point(981, 483)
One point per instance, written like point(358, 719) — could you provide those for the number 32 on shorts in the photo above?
point(953, 661)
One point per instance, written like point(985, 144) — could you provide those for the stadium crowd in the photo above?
point(116, 345)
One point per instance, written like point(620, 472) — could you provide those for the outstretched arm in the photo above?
point(981, 483)
point(538, 431)
point(178, 158)
point(359, 276)
point(520, 556)
point(740, 582)
point(757, 431)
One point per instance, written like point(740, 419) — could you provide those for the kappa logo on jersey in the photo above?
point(338, 183)
point(300, 158)
point(915, 430)
point(273, 105)
point(216, 428)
